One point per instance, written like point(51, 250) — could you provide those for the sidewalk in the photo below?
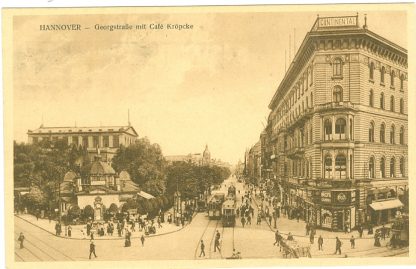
point(79, 231)
point(298, 229)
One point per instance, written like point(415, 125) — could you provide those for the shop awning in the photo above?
point(386, 204)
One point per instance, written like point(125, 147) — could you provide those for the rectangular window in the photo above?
point(85, 141)
point(106, 141)
point(116, 141)
point(95, 141)
point(75, 140)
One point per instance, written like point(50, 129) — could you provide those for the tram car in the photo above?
point(228, 211)
point(215, 204)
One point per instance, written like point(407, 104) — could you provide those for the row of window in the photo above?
point(382, 168)
point(84, 140)
point(382, 76)
point(383, 134)
point(371, 102)
point(340, 129)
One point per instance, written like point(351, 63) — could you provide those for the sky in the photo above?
point(184, 89)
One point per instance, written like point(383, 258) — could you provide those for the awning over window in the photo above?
point(386, 204)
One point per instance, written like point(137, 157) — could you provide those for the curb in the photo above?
point(118, 238)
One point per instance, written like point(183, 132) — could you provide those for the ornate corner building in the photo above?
point(337, 132)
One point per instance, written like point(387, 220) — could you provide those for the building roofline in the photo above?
point(315, 34)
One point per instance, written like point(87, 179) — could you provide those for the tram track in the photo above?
point(33, 246)
point(29, 237)
point(207, 235)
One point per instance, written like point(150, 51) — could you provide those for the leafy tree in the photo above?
point(35, 199)
point(145, 164)
point(74, 212)
point(88, 212)
point(113, 209)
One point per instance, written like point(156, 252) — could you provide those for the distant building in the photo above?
point(194, 158)
point(206, 156)
point(106, 138)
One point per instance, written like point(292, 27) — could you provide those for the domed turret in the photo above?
point(206, 156)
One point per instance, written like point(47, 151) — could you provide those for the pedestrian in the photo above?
point(307, 228)
point(352, 240)
point(383, 232)
point(312, 238)
point(92, 249)
point(159, 225)
point(258, 219)
point(21, 239)
point(92, 235)
point(243, 221)
point(202, 249)
point(290, 237)
point(142, 240)
point(270, 219)
point(377, 239)
point(320, 243)
point(69, 231)
point(276, 238)
point(217, 245)
point(360, 231)
point(338, 245)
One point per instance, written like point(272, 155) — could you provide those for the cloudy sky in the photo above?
point(210, 85)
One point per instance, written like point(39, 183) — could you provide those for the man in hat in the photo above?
point(92, 249)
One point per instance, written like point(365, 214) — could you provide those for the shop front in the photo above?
point(337, 210)
point(384, 211)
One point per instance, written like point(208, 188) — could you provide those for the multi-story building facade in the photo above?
point(107, 139)
point(254, 161)
point(338, 126)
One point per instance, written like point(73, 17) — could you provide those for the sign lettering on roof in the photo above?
point(337, 22)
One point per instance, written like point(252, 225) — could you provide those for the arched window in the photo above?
point(382, 100)
point(392, 167)
point(401, 81)
point(392, 134)
point(383, 167)
point(340, 167)
point(401, 106)
point(337, 65)
point(402, 167)
point(337, 94)
point(392, 103)
point(382, 133)
point(327, 129)
point(328, 167)
point(402, 135)
point(371, 98)
point(371, 132)
point(371, 170)
point(382, 72)
point(392, 75)
point(340, 128)
point(371, 70)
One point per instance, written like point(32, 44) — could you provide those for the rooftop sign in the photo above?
point(335, 22)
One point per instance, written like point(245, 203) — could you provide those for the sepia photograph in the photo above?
point(207, 134)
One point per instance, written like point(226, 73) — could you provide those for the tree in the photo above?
point(88, 212)
point(74, 212)
point(145, 164)
point(113, 209)
point(35, 199)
